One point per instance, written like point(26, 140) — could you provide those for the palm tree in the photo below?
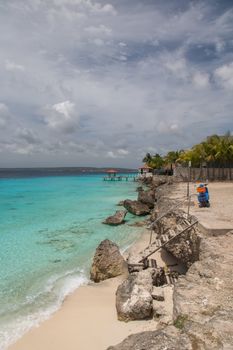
point(147, 158)
point(171, 158)
point(156, 161)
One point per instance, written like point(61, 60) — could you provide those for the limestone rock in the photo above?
point(107, 262)
point(158, 294)
point(116, 219)
point(186, 246)
point(203, 299)
point(154, 215)
point(136, 208)
point(168, 338)
point(161, 315)
point(147, 197)
point(133, 297)
point(159, 310)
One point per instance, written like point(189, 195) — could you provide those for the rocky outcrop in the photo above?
point(147, 197)
point(133, 297)
point(117, 219)
point(160, 180)
point(163, 339)
point(186, 246)
point(107, 262)
point(203, 299)
point(136, 208)
point(157, 294)
point(203, 305)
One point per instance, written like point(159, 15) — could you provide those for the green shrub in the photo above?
point(180, 321)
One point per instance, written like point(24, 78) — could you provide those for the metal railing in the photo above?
point(165, 243)
point(152, 225)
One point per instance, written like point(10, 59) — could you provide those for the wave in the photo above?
point(49, 299)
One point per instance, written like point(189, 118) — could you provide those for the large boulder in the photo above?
point(168, 338)
point(116, 219)
point(136, 207)
point(133, 297)
point(107, 262)
point(147, 197)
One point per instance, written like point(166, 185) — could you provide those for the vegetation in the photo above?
point(180, 321)
point(155, 162)
point(214, 151)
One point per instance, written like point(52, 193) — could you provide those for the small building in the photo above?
point(145, 170)
point(111, 172)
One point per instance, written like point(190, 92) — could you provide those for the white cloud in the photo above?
point(19, 148)
point(108, 8)
point(12, 66)
point(201, 79)
point(111, 154)
point(78, 8)
point(61, 116)
point(225, 75)
point(100, 30)
point(65, 108)
point(166, 127)
point(119, 153)
point(122, 44)
point(123, 152)
point(177, 66)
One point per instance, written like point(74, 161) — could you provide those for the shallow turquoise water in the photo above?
point(49, 229)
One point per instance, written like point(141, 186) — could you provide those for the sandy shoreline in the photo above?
point(87, 319)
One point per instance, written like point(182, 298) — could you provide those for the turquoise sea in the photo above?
point(49, 229)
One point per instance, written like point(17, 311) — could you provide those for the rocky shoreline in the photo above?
point(202, 298)
point(194, 312)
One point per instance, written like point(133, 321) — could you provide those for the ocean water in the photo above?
point(49, 229)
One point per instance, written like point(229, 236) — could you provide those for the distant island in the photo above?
point(57, 171)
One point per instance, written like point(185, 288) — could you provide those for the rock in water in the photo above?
point(136, 208)
point(133, 297)
point(107, 262)
point(117, 218)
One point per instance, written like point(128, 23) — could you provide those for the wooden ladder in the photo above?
point(164, 240)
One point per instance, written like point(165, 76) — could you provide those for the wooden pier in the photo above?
point(121, 178)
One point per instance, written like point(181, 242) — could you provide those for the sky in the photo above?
point(100, 83)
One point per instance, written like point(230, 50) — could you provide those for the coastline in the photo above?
point(90, 310)
point(43, 261)
point(88, 318)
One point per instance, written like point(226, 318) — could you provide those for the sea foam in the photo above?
point(60, 287)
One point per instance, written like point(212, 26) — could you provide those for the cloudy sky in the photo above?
point(100, 83)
